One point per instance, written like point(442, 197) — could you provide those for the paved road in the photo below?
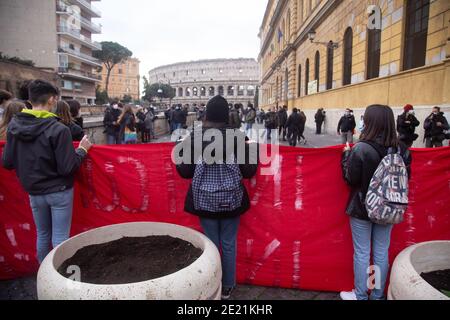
point(313, 140)
point(25, 289)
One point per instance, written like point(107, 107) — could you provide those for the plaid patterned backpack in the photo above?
point(387, 196)
point(217, 187)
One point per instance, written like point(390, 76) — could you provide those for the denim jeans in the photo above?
point(52, 215)
point(365, 235)
point(111, 139)
point(248, 130)
point(223, 232)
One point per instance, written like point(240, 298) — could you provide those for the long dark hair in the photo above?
point(379, 126)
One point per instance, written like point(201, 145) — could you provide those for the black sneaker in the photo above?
point(226, 293)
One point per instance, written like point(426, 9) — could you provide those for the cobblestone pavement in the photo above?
point(25, 289)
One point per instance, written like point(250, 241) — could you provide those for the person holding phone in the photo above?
point(40, 148)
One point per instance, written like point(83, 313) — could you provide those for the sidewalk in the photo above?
point(25, 289)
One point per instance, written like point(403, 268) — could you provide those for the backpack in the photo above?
point(217, 187)
point(387, 196)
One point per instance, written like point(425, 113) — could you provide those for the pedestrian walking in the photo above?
point(293, 125)
point(319, 119)
point(359, 164)
point(301, 136)
point(346, 127)
point(282, 118)
point(250, 119)
point(40, 149)
point(149, 124)
point(235, 119)
point(271, 123)
point(217, 194)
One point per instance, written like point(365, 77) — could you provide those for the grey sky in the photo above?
point(162, 32)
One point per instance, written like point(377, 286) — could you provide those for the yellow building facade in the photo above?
point(124, 80)
point(339, 54)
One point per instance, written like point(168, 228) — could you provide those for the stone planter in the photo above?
point(406, 282)
point(202, 280)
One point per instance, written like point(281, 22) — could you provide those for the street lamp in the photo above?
point(331, 44)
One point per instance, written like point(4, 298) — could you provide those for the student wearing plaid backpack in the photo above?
point(217, 194)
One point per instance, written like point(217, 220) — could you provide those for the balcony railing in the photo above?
point(64, 7)
point(80, 54)
point(79, 73)
point(77, 34)
point(94, 11)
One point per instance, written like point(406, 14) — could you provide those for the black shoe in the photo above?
point(226, 293)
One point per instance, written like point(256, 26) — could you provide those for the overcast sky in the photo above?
point(162, 32)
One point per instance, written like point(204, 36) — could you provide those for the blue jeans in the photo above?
point(111, 139)
point(248, 129)
point(365, 235)
point(52, 215)
point(223, 232)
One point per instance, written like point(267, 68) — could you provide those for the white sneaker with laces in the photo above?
point(345, 295)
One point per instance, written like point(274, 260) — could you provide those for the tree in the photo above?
point(127, 98)
point(151, 91)
point(101, 96)
point(111, 55)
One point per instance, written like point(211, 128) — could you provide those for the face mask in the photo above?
point(435, 113)
point(411, 112)
point(115, 106)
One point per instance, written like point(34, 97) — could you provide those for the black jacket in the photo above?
point(294, 123)
point(76, 132)
point(319, 117)
point(272, 121)
point(407, 130)
point(431, 128)
point(234, 119)
point(282, 117)
point(42, 153)
point(346, 124)
point(179, 116)
point(111, 116)
point(359, 166)
point(187, 171)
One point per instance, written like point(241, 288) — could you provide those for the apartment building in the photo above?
point(124, 79)
point(56, 35)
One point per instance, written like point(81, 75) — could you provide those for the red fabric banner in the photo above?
point(296, 235)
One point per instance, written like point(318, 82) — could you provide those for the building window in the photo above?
point(330, 63)
point(68, 85)
point(221, 91)
point(195, 92)
point(373, 53)
point(120, 71)
point(240, 91)
point(230, 91)
point(306, 76)
point(417, 14)
point(317, 69)
point(203, 71)
point(348, 54)
point(202, 92)
point(188, 92)
point(212, 91)
point(180, 92)
point(77, 85)
point(250, 91)
point(299, 89)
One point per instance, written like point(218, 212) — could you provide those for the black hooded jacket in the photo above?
point(187, 171)
point(42, 153)
point(359, 166)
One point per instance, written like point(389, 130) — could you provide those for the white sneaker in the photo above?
point(348, 295)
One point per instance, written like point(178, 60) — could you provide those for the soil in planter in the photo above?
point(439, 280)
point(130, 260)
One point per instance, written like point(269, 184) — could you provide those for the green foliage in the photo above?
point(101, 96)
point(127, 98)
point(18, 60)
point(151, 91)
point(446, 292)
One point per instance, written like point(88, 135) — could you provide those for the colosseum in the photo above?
point(196, 82)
